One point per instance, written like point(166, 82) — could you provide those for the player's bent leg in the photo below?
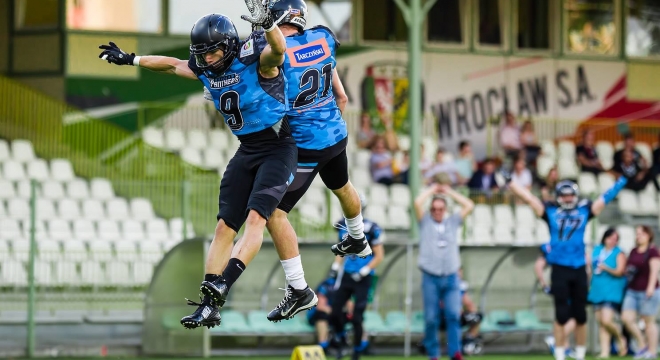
point(355, 242)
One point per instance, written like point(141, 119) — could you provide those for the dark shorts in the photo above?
point(256, 178)
point(607, 304)
point(331, 163)
point(569, 284)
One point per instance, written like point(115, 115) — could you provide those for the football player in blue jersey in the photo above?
point(567, 219)
point(249, 89)
point(355, 282)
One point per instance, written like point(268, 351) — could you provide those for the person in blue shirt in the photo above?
point(608, 284)
point(567, 219)
point(354, 280)
point(248, 88)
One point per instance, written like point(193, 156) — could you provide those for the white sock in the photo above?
point(295, 275)
point(560, 353)
point(580, 352)
point(355, 226)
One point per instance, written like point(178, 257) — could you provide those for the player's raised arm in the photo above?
point(338, 90)
point(273, 55)
point(529, 198)
point(169, 65)
point(608, 196)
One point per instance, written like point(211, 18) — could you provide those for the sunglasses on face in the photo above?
point(437, 209)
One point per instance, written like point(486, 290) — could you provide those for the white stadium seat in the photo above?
point(49, 250)
point(400, 195)
point(141, 209)
point(10, 229)
point(18, 209)
point(4, 151)
point(43, 273)
point(648, 204)
point(503, 216)
point(91, 273)
point(3, 211)
point(605, 153)
point(7, 189)
point(482, 216)
point(524, 236)
point(14, 273)
point(587, 184)
point(66, 274)
point(316, 196)
point(13, 170)
point(481, 236)
point(59, 229)
point(21, 249)
point(174, 139)
point(362, 158)
point(77, 189)
point(100, 250)
point(566, 150)
point(93, 209)
point(102, 189)
point(567, 168)
point(132, 230)
point(150, 252)
point(628, 203)
point(176, 229)
point(605, 181)
point(157, 230)
point(142, 273)
point(74, 250)
point(52, 190)
point(398, 217)
point(502, 235)
point(377, 214)
point(542, 232)
point(213, 158)
point(108, 230)
point(126, 250)
point(544, 164)
point(39, 229)
point(68, 209)
point(45, 209)
point(626, 238)
point(312, 213)
point(153, 137)
point(37, 169)
point(646, 152)
point(361, 178)
point(117, 209)
point(84, 229)
point(197, 139)
point(219, 139)
point(378, 195)
point(22, 151)
point(61, 170)
point(192, 157)
point(118, 273)
point(24, 189)
point(548, 149)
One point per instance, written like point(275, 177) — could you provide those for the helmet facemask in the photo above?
point(565, 189)
point(200, 50)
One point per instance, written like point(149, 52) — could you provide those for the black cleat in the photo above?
point(351, 246)
point(206, 315)
point(356, 355)
point(294, 302)
point(217, 290)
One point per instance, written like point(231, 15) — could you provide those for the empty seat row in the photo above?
point(88, 273)
point(19, 150)
point(83, 229)
point(638, 204)
point(38, 169)
point(177, 139)
point(78, 189)
point(69, 209)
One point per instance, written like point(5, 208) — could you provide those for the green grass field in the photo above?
point(484, 357)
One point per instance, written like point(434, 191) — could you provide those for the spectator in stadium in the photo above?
point(424, 165)
point(319, 316)
point(443, 165)
point(366, 135)
point(381, 162)
point(638, 177)
point(586, 154)
point(548, 184)
point(483, 181)
point(606, 290)
point(439, 261)
point(355, 281)
point(629, 145)
point(642, 296)
point(521, 174)
point(466, 165)
point(510, 136)
point(656, 157)
point(529, 142)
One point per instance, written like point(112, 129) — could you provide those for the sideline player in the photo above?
point(567, 220)
point(249, 89)
point(316, 101)
point(355, 281)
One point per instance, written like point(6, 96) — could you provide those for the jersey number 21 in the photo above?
point(310, 83)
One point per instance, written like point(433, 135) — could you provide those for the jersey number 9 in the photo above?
point(229, 107)
point(310, 83)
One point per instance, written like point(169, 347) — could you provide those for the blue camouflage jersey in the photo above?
point(567, 229)
point(314, 116)
point(249, 102)
point(353, 263)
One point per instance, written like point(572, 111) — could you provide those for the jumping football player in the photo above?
point(567, 220)
point(249, 89)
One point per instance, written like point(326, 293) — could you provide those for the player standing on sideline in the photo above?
point(355, 281)
point(316, 101)
point(249, 89)
point(567, 220)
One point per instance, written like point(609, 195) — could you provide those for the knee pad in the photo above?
point(562, 313)
point(320, 315)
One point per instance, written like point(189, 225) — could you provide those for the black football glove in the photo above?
point(114, 55)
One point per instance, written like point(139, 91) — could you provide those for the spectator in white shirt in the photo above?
point(521, 174)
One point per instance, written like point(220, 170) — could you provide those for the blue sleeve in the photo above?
point(375, 234)
point(612, 192)
point(250, 49)
point(547, 205)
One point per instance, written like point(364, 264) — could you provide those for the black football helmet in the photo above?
point(210, 33)
point(296, 16)
point(567, 187)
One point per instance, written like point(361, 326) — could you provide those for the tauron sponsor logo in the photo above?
point(224, 81)
point(309, 54)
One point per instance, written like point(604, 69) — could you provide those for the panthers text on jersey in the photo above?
point(372, 231)
point(567, 228)
point(313, 114)
point(249, 102)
